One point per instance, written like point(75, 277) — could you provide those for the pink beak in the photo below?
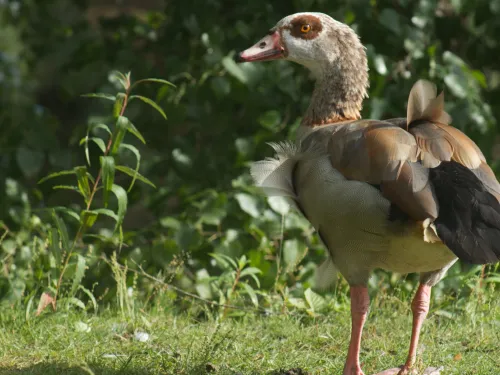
point(268, 48)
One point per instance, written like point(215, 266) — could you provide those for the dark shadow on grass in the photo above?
point(61, 369)
point(293, 371)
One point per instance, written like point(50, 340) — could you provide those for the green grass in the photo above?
point(467, 343)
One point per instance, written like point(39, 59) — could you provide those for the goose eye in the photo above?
point(305, 28)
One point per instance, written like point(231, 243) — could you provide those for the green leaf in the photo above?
point(99, 126)
point(380, 65)
point(224, 261)
point(99, 237)
point(133, 130)
point(67, 187)
point(251, 293)
point(170, 222)
point(135, 175)
point(63, 232)
point(234, 69)
point(314, 300)
point(132, 149)
point(67, 211)
point(83, 182)
point(154, 80)
point(106, 212)
point(81, 265)
point(108, 176)
point(457, 83)
point(98, 141)
point(76, 302)
point(270, 120)
point(252, 272)
point(298, 303)
point(118, 134)
point(293, 252)
point(137, 154)
point(248, 204)
point(151, 103)
point(115, 75)
point(118, 107)
point(121, 196)
point(242, 262)
point(452, 59)
point(29, 306)
point(82, 327)
point(88, 219)
point(54, 245)
point(492, 279)
point(279, 204)
point(90, 295)
point(100, 96)
point(56, 174)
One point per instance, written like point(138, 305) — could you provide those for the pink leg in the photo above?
point(359, 309)
point(420, 308)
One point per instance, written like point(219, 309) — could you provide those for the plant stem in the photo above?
point(108, 147)
point(233, 288)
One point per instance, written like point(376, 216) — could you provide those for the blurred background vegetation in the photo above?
point(204, 212)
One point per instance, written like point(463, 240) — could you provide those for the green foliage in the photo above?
point(68, 253)
point(220, 117)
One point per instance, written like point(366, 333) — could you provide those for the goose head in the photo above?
point(334, 54)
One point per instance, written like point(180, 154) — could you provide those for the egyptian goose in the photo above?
point(407, 195)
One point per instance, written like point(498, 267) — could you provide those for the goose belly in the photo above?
point(351, 217)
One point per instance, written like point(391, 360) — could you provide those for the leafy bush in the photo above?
point(220, 117)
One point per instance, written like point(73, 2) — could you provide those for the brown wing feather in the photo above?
point(382, 153)
point(371, 150)
point(424, 105)
point(397, 155)
point(412, 192)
